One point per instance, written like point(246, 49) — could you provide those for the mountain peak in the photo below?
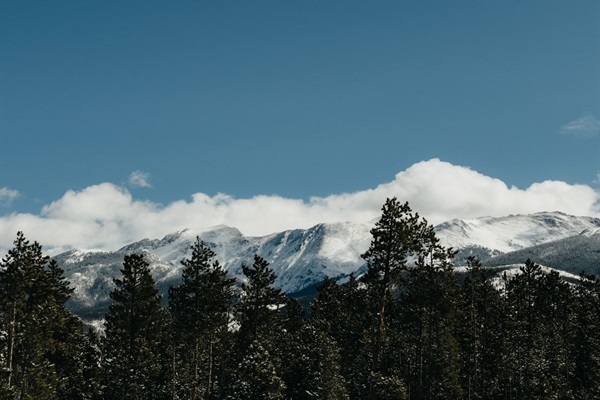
point(301, 258)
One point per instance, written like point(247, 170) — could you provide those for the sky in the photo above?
point(125, 120)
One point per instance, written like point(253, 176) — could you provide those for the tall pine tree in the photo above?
point(41, 344)
point(429, 324)
point(586, 339)
point(257, 356)
point(200, 313)
point(481, 334)
point(398, 235)
point(134, 359)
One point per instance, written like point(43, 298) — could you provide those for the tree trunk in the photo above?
point(210, 371)
point(11, 343)
point(174, 376)
point(195, 369)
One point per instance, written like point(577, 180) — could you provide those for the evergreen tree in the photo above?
point(42, 342)
point(555, 304)
point(586, 339)
point(89, 377)
point(68, 348)
point(342, 313)
point(259, 305)
point(430, 323)
point(257, 358)
point(528, 324)
point(199, 309)
point(310, 359)
point(481, 334)
point(256, 376)
point(134, 359)
point(397, 235)
point(23, 289)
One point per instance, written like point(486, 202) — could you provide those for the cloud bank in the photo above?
point(106, 216)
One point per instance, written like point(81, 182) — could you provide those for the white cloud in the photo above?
point(7, 195)
point(140, 179)
point(106, 216)
point(584, 126)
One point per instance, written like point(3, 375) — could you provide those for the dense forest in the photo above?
point(409, 328)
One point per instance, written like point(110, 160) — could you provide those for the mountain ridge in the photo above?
point(302, 258)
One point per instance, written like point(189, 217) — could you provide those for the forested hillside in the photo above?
point(409, 328)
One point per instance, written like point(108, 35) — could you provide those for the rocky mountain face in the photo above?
point(301, 258)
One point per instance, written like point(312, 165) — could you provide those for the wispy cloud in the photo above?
point(587, 126)
point(140, 179)
point(106, 216)
point(7, 196)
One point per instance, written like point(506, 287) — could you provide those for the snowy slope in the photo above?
point(488, 237)
point(301, 258)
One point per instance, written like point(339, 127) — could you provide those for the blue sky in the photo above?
point(165, 100)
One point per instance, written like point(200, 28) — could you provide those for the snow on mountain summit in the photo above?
point(301, 258)
point(513, 232)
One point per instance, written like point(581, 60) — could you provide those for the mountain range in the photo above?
point(301, 258)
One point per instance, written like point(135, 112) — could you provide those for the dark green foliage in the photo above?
point(342, 313)
point(585, 342)
point(259, 305)
point(428, 289)
point(39, 345)
point(134, 360)
point(429, 325)
point(256, 376)
point(310, 359)
point(257, 356)
point(25, 291)
point(396, 236)
point(525, 324)
point(388, 387)
point(199, 310)
point(481, 334)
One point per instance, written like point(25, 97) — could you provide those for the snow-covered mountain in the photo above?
point(301, 258)
point(489, 237)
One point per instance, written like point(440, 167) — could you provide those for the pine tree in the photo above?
point(26, 299)
point(199, 309)
point(43, 339)
point(396, 236)
point(20, 306)
point(259, 305)
point(481, 334)
point(429, 323)
point(555, 304)
point(342, 313)
point(310, 359)
point(256, 376)
point(257, 357)
point(68, 346)
point(134, 359)
point(586, 339)
point(525, 327)
point(89, 377)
